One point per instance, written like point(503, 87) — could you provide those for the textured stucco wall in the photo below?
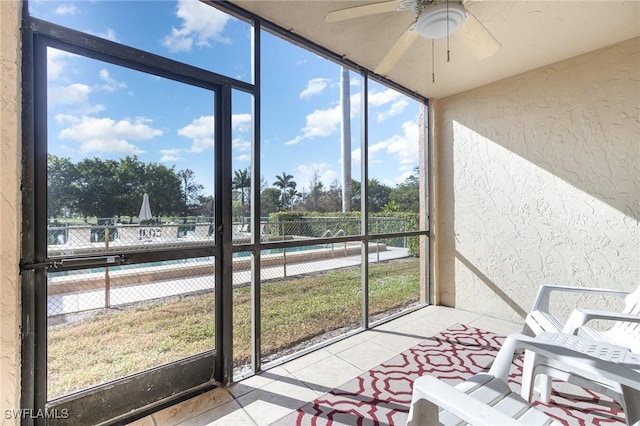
point(538, 181)
point(9, 208)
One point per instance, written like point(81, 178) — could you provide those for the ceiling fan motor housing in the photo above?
point(440, 20)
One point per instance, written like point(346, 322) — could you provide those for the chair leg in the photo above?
point(532, 382)
point(543, 387)
point(423, 413)
point(631, 404)
point(526, 390)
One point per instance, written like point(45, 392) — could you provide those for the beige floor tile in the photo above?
point(437, 321)
point(306, 360)
point(328, 373)
point(347, 343)
point(231, 414)
point(366, 355)
point(456, 316)
point(277, 399)
point(276, 392)
point(264, 412)
point(426, 327)
point(395, 340)
point(294, 389)
point(410, 317)
point(145, 421)
point(497, 326)
point(258, 381)
point(192, 407)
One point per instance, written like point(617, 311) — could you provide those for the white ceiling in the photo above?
point(531, 33)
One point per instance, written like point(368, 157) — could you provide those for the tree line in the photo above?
point(284, 194)
point(110, 188)
point(115, 188)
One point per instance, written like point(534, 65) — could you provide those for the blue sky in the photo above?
point(100, 110)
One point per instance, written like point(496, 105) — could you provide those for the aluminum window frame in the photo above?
point(37, 34)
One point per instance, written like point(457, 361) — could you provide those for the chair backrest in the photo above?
point(628, 333)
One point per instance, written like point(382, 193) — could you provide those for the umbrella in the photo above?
point(145, 209)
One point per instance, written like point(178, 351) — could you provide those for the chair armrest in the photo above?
point(541, 302)
point(628, 375)
point(452, 400)
point(580, 317)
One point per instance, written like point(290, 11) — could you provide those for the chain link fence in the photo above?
point(107, 287)
point(65, 239)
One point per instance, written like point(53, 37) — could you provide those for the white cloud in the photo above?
point(91, 109)
point(66, 9)
point(325, 122)
point(404, 147)
point(404, 175)
point(321, 122)
point(56, 63)
point(389, 96)
point(382, 98)
point(110, 84)
point(170, 155)
point(305, 172)
point(201, 24)
point(76, 94)
point(396, 109)
point(315, 86)
point(244, 157)
point(71, 94)
point(201, 131)
point(106, 134)
point(240, 144)
point(241, 122)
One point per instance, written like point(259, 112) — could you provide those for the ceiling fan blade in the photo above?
point(398, 49)
point(359, 11)
point(477, 38)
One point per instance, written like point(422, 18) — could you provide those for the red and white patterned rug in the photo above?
point(382, 395)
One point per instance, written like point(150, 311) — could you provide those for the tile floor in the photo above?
point(271, 395)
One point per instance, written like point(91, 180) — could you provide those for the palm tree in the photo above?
point(292, 194)
point(241, 181)
point(285, 182)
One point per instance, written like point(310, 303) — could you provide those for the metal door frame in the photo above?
point(111, 403)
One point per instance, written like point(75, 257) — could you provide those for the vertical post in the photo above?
point(345, 102)
point(256, 234)
point(284, 251)
point(224, 245)
point(284, 262)
point(364, 205)
point(107, 282)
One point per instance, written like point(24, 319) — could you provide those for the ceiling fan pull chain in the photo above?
point(448, 51)
point(433, 61)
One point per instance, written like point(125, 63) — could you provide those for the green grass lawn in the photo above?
point(294, 309)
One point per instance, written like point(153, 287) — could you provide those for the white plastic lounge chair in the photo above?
point(486, 399)
point(582, 371)
point(625, 330)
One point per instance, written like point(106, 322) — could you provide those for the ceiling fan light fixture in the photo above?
point(432, 22)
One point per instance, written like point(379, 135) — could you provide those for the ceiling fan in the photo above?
point(434, 19)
